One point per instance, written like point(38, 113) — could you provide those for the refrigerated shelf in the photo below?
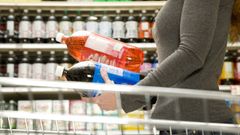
point(62, 47)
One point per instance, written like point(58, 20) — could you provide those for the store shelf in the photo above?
point(58, 47)
point(135, 5)
point(35, 132)
point(61, 47)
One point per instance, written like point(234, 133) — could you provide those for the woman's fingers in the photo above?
point(104, 75)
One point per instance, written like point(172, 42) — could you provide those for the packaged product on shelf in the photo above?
point(10, 31)
point(38, 67)
point(2, 29)
point(60, 107)
point(43, 106)
point(89, 71)
point(227, 76)
point(65, 25)
point(3, 121)
point(51, 66)
point(118, 27)
point(153, 24)
point(12, 106)
point(155, 61)
point(51, 28)
point(11, 65)
point(78, 23)
point(105, 26)
point(94, 110)
point(135, 114)
point(235, 107)
point(25, 106)
point(110, 127)
point(38, 28)
point(144, 28)
point(66, 63)
point(132, 28)
point(92, 23)
point(25, 28)
point(1, 66)
point(84, 45)
point(237, 116)
point(237, 73)
point(25, 67)
point(147, 64)
point(77, 107)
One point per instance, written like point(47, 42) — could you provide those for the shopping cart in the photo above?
point(30, 90)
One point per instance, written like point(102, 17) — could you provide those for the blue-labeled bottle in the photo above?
point(89, 71)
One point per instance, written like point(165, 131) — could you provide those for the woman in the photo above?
point(191, 38)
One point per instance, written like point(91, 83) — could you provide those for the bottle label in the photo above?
point(132, 29)
point(105, 28)
point(25, 29)
point(10, 70)
point(144, 31)
point(227, 71)
point(104, 45)
point(66, 27)
point(113, 70)
point(38, 29)
point(50, 71)
point(23, 70)
point(78, 26)
point(92, 26)
point(118, 29)
point(38, 70)
point(51, 29)
point(238, 70)
point(10, 27)
point(146, 67)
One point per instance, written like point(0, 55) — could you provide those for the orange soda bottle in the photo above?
point(85, 45)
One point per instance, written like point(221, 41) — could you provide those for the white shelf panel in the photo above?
point(135, 5)
point(35, 132)
point(61, 47)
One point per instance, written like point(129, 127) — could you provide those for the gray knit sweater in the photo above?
point(191, 38)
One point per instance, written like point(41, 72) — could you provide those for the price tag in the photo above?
point(235, 89)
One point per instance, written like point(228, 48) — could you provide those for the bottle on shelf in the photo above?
point(10, 28)
point(38, 67)
point(105, 25)
point(147, 64)
point(89, 71)
point(25, 67)
point(144, 28)
point(237, 77)
point(12, 106)
point(92, 23)
point(1, 66)
point(11, 65)
point(132, 28)
point(152, 24)
point(78, 23)
point(84, 45)
point(227, 76)
point(65, 25)
point(2, 29)
point(51, 66)
point(38, 28)
point(118, 27)
point(51, 28)
point(4, 121)
point(65, 62)
point(25, 26)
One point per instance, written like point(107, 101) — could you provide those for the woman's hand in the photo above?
point(107, 100)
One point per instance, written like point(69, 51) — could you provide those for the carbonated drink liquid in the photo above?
point(84, 45)
point(89, 71)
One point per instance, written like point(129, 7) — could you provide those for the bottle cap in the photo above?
point(59, 71)
point(59, 37)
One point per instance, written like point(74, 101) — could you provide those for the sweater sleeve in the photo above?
point(197, 27)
